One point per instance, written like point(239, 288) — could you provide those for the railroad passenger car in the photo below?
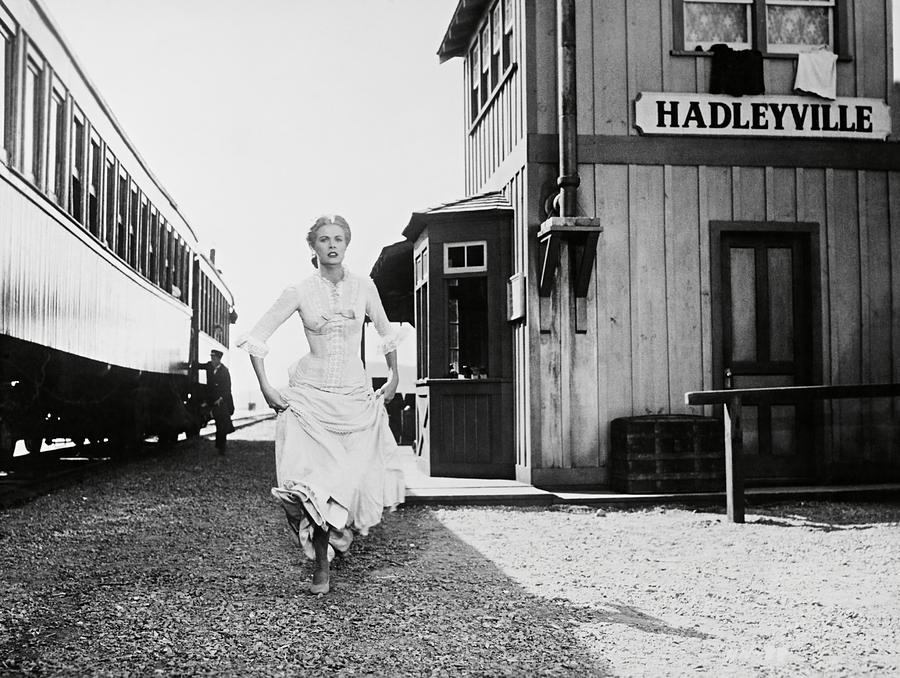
point(673, 231)
point(106, 300)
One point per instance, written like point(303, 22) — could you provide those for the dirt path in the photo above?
point(182, 564)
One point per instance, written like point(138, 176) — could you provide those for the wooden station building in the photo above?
point(671, 217)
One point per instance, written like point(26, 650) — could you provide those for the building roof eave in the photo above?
point(463, 24)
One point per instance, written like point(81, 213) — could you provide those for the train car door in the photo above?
point(764, 337)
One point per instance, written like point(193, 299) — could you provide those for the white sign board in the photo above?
point(766, 115)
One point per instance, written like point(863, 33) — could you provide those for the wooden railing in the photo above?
point(734, 399)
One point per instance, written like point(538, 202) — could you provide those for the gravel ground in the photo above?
point(182, 564)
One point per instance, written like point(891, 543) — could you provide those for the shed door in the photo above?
point(766, 341)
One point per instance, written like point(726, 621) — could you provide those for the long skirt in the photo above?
point(336, 462)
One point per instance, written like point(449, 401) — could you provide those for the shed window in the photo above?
point(465, 257)
point(421, 300)
point(774, 26)
point(6, 60)
point(467, 326)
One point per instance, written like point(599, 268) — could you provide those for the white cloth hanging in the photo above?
point(817, 73)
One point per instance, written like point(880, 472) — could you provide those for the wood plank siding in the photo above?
point(644, 334)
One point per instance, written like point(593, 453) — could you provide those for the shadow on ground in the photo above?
point(182, 563)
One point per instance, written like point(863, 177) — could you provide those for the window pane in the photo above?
point(743, 303)
point(456, 257)
point(110, 201)
point(94, 190)
point(32, 106)
point(5, 63)
point(475, 255)
point(781, 304)
point(708, 23)
point(797, 26)
point(76, 196)
point(54, 160)
point(496, 26)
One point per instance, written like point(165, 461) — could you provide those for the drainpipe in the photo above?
point(567, 99)
point(580, 233)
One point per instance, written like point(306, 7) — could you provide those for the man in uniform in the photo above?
point(218, 389)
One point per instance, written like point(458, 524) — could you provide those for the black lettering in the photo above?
point(827, 125)
point(758, 116)
point(694, 115)
point(799, 118)
point(662, 113)
point(814, 124)
point(717, 109)
point(778, 111)
point(737, 124)
point(864, 118)
point(845, 125)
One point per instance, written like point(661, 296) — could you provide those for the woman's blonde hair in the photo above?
point(325, 220)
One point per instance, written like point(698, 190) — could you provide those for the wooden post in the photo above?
point(734, 450)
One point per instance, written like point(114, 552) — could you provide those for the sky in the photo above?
point(258, 120)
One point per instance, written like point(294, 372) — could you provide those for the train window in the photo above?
point(507, 33)
point(110, 201)
point(31, 119)
point(122, 216)
point(496, 42)
point(76, 190)
point(485, 42)
point(133, 207)
point(144, 239)
point(6, 60)
point(56, 156)
point(94, 173)
point(153, 247)
point(161, 254)
point(170, 259)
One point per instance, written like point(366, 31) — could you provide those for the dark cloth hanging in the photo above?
point(736, 72)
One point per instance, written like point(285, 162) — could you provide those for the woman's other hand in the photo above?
point(389, 389)
point(274, 399)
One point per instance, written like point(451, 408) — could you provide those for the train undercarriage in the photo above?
point(47, 395)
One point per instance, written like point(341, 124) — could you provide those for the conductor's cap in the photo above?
point(216, 352)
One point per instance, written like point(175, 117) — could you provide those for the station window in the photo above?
point(491, 55)
point(6, 60)
point(56, 156)
point(76, 190)
point(31, 118)
point(95, 174)
point(465, 257)
point(773, 26)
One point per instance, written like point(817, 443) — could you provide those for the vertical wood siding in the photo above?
point(59, 291)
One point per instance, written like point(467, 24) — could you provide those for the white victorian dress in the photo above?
point(336, 459)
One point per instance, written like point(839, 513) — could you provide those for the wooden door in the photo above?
point(766, 340)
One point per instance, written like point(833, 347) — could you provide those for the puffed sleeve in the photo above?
point(390, 337)
point(254, 342)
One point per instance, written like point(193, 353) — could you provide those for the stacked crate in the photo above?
point(667, 453)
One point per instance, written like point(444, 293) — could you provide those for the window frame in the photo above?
point(456, 270)
point(77, 168)
point(8, 30)
point(31, 108)
point(757, 27)
point(57, 137)
point(495, 61)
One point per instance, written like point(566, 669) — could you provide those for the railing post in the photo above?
point(734, 450)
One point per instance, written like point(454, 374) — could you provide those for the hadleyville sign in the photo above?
point(767, 115)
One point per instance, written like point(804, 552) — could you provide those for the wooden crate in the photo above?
point(667, 453)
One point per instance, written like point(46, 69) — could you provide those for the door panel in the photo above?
point(766, 298)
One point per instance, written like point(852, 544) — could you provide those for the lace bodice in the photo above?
point(332, 316)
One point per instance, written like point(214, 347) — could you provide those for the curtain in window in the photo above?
point(715, 22)
point(792, 25)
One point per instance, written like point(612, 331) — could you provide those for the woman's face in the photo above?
point(330, 245)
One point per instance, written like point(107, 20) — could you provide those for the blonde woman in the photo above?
point(335, 455)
